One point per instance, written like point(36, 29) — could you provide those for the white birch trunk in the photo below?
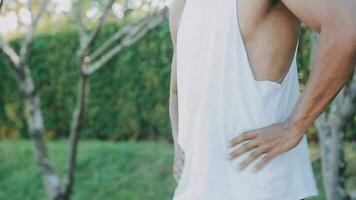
point(127, 36)
point(34, 116)
point(331, 129)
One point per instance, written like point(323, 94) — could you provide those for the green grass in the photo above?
point(105, 171)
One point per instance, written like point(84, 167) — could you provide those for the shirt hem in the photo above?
point(295, 196)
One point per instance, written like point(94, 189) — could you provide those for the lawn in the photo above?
point(106, 170)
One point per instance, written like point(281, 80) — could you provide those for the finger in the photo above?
point(265, 160)
point(253, 156)
point(248, 146)
point(242, 138)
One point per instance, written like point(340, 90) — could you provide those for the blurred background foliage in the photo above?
point(128, 98)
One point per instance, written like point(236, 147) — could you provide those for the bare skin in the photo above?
point(334, 62)
point(270, 33)
point(270, 30)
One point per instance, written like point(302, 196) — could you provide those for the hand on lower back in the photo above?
point(267, 142)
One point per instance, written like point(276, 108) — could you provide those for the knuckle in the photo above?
point(254, 134)
point(258, 142)
point(259, 152)
point(264, 150)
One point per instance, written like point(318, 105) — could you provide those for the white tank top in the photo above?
point(218, 99)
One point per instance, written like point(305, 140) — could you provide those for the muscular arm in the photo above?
point(175, 12)
point(335, 20)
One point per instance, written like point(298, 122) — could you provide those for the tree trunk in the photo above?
point(77, 119)
point(331, 129)
point(36, 129)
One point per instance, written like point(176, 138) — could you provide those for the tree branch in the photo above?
point(134, 34)
point(78, 12)
point(10, 53)
point(101, 22)
point(32, 27)
point(86, 40)
point(117, 36)
point(114, 38)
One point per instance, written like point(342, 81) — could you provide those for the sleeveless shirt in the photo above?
point(218, 99)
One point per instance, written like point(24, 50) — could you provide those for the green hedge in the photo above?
point(128, 97)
